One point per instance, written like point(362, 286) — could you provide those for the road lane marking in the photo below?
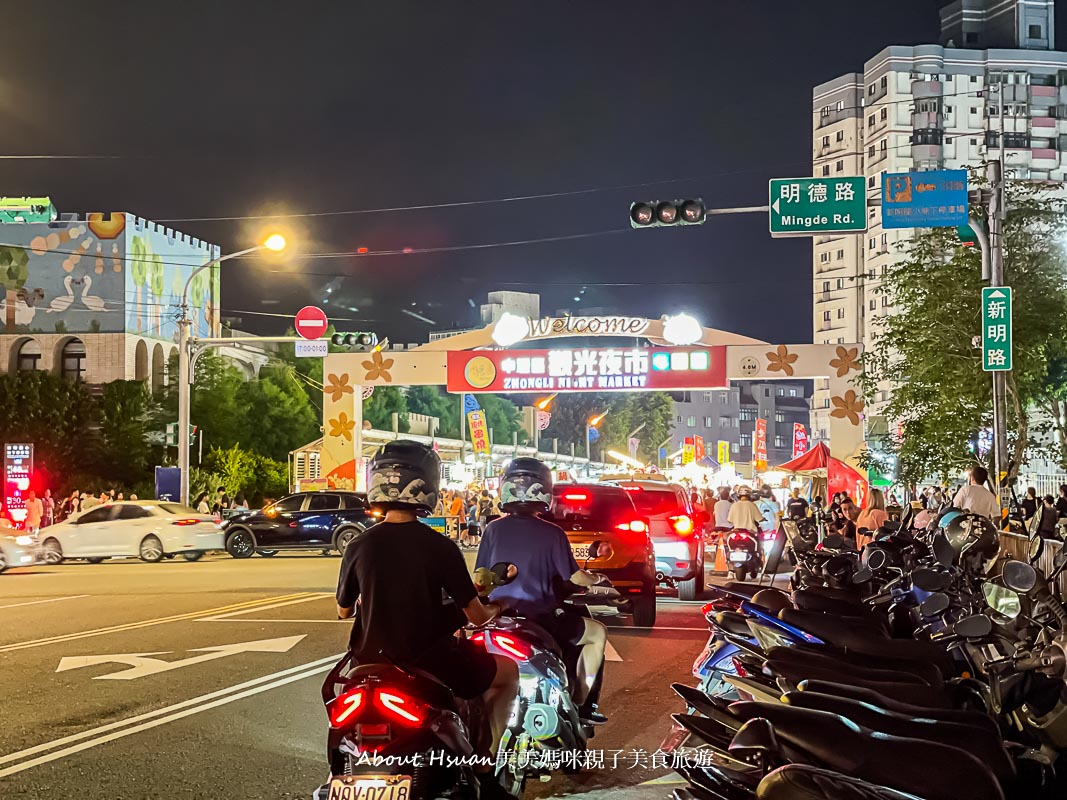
point(610, 653)
point(153, 719)
point(68, 637)
point(141, 666)
point(49, 600)
point(277, 619)
point(281, 604)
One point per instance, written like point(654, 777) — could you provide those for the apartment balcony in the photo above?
point(1043, 126)
point(1044, 158)
point(927, 152)
point(1043, 96)
point(921, 89)
point(922, 120)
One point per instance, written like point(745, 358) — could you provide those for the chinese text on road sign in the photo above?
point(996, 329)
point(934, 199)
point(806, 206)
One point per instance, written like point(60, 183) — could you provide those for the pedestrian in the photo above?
point(1061, 501)
point(222, 501)
point(474, 528)
point(133, 497)
point(797, 507)
point(1046, 526)
point(201, 504)
point(722, 510)
point(770, 509)
point(34, 513)
point(239, 502)
point(975, 497)
point(49, 509)
point(457, 518)
point(1029, 504)
point(872, 518)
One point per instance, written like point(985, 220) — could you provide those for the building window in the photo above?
point(707, 397)
point(72, 360)
point(826, 141)
point(826, 111)
point(824, 258)
point(884, 114)
point(748, 414)
point(885, 81)
point(840, 136)
point(840, 254)
point(746, 439)
point(871, 243)
point(779, 441)
point(872, 181)
point(1016, 140)
point(885, 301)
point(826, 286)
point(885, 239)
point(840, 313)
point(870, 89)
point(874, 304)
point(734, 448)
point(708, 422)
point(679, 419)
point(870, 151)
point(825, 170)
point(870, 121)
point(779, 416)
point(724, 422)
point(883, 145)
point(825, 318)
point(724, 398)
point(872, 273)
point(840, 283)
point(792, 392)
point(691, 421)
point(781, 392)
point(28, 356)
point(1035, 32)
point(840, 105)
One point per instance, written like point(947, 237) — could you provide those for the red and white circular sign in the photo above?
point(311, 322)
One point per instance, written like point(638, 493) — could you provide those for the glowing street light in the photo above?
point(545, 402)
point(275, 242)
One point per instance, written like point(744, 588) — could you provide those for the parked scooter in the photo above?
point(744, 553)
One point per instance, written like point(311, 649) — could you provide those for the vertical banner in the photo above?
point(759, 445)
point(633, 444)
point(800, 440)
point(479, 431)
point(688, 450)
point(698, 448)
point(724, 452)
point(18, 471)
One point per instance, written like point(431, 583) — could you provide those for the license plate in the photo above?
point(581, 551)
point(370, 787)
point(738, 558)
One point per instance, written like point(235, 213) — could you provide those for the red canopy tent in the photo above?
point(839, 476)
point(815, 459)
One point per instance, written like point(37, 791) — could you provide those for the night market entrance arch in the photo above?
point(474, 362)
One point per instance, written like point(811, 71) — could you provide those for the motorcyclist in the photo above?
point(744, 513)
point(542, 554)
point(410, 592)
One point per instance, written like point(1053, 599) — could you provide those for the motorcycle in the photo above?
point(744, 553)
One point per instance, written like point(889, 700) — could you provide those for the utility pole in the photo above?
point(995, 175)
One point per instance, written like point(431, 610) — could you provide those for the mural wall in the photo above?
point(108, 273)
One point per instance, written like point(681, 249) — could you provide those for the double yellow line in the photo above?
point(129, 626)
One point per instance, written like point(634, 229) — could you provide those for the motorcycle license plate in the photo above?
point(738, 558)
point(370, 787)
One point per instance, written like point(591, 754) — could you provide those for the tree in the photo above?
point(502, 417)
point(924, 348)
point(14, 272)
point(430, 401)
point(378, 409)
point(625, 412)
point(275, 415)
point(125, 413)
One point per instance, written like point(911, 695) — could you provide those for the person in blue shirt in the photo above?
point(542, 555)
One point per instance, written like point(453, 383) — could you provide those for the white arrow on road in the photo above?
point(141, 664)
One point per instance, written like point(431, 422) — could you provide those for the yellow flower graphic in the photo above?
point(781, 360)
point(342, 426)
point(849, 407)
point(378, 367)
point(846, 361)
point(337, 386)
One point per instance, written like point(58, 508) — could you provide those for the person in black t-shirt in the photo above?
point(410, 592)
point(1061, 501)
point(797, 506)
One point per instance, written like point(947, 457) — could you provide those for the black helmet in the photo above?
point(404, 475)
point(526, 486)
point(973, 537)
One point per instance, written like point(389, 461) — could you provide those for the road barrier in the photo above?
point(1017, 546)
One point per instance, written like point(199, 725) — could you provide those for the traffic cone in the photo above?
point(720, 567)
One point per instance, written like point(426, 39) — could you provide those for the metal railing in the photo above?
point(1017, 546)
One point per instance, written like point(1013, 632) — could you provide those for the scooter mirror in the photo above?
point(930, 581)
point(1020, 577)
point(862, 575)
point(1037, 547)
point(934, 605)
point(973, 627)
point(875, 557)
point(944, 552)
point(1002, 600)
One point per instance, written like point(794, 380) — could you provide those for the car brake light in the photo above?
point(738, 538)
point(185, 522)
point(346, 707)
point(404, 708)
point(634, 525)
point(682, 524)
point(576, 497)
point(294, 525)
point(632, 489)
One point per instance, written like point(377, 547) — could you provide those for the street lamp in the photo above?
point(275, 243)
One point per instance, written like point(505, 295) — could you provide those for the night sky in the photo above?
point(244, 108)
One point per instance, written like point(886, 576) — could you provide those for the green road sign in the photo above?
point(809, 206)
point(996, 329)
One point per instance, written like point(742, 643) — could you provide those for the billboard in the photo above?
point(587, 369)
point(759, 445)
point(800, 440)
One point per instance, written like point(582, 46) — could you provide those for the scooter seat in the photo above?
point(845, 632)
point(816, 600)
point(975, 719)
point(928, 672)
point(927, 769)
point(802, 782)
point(907, 689)
point(801, 659)
point(978, 741)
point(733, 622)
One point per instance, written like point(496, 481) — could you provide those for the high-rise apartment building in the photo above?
point(994, 87)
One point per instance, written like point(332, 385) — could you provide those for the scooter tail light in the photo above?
point(404, 709)
point(347, 708)
point(740, 667)
point(512, 647)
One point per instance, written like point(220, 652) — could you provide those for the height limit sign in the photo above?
point(996, 329)
point(811, 206)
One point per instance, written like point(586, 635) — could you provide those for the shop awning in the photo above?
point(817, 458)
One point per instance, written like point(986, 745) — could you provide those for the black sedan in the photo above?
point(325, 521)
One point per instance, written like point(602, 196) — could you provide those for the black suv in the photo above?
point(325, 521)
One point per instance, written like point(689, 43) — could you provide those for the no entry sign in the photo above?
point(311, 322)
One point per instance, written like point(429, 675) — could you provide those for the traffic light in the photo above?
point(666, 213)
point(351, 340)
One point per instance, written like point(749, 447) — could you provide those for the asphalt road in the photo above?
point(201, 680)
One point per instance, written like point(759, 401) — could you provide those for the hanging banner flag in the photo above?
point(800, 440)
point(544, 418)
point(724, 452)
point(688, 450)
point(759, 445)
point(470, 403)
point(479, 431)
point(698, 448)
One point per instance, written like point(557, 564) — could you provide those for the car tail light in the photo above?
point(632, 489)
point(404, 709)
point(707, 608)
point(347, 707)
point(682, 524)
point(294, 524)
point(633, 525)
point(576, 497)
point(185, 522)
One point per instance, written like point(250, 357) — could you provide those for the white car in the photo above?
point(17, 549)
point(149, 530)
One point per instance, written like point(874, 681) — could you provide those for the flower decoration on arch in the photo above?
point(781, 360)
point(848, 406)
point(848, 359)
point(378, 367)
point(342, 427)
point(337, 386)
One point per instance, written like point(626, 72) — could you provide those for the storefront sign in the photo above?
point(479, 431)
point(759, 445)
point(724, 452)
point(602, 369)
point(586, 326)
point(698, 447)
point(18, 469)
point(688, 450)
point(800, 440)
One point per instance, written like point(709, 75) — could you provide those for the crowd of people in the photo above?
point(466, 513)
point(221, 504)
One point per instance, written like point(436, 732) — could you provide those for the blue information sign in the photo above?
point(935, 199)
